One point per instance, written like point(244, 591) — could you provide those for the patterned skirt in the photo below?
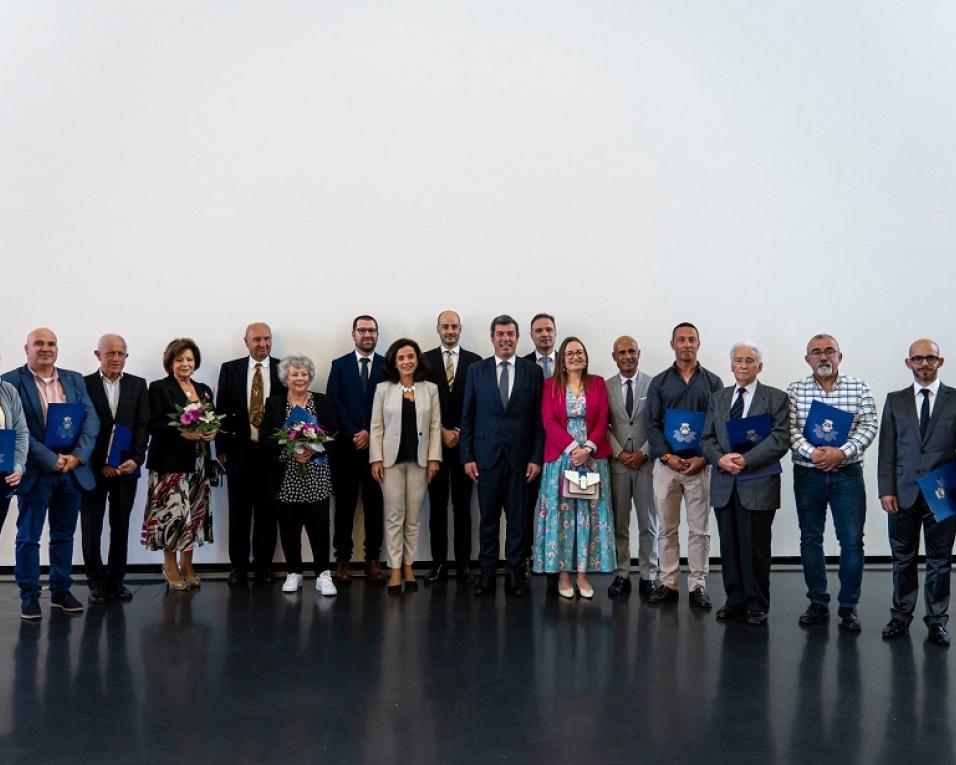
point(178, 515)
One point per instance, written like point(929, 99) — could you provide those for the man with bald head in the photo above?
point(244, 385)
point(55, 475)
point(121, 401)
point(917, 435)
point(632, 479)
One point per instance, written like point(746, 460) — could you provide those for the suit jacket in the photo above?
point(233, 400)
point(39, 458)
point(273, 418)
point(352, 409)
point(132, 411)
point(533, 358)
point(450, 400)
point(385, 435)
point(757, 493)
point(628, 433)
point(903, 455)
point(554, 416)
point(489, 432)
point(169, 452)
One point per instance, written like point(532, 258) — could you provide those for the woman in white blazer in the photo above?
point(404, 450)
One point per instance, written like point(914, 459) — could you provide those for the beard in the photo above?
point(824, 369)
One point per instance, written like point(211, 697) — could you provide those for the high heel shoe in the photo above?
point(174, 584)
point(567, 594)
point(394, 589)
point(192, 580)
point(586, 592)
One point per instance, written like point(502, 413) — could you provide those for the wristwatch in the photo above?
point(664, 457)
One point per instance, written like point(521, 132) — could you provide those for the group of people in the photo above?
point(564, 453)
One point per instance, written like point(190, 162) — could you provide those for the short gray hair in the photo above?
point(299, 362)
point(747, 344)
point(110, 336)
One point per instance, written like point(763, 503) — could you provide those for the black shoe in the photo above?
point(727, 612)
point(394, 589)
point(700, 599)
point(939, 635)
point(236, 576)
point(99, 596)
point(525, 569)
point(65, 601)
point(439, 573)
point(646, 586)
point(30, 609)
point(895, 628)
point(464, 576)
point(485, 584)
point(816, 613)
point(411, 585)
point(662, 594)
point(757, 618)
point(849, 619)
point(621, 586)
point(516, 585)
point(120, 593)
point(264, 575)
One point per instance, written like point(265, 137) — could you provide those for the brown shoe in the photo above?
point(373, 571)
point(343, 572)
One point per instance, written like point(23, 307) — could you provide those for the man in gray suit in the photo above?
point(745, 504)
point(632, 480)
point(917, 435)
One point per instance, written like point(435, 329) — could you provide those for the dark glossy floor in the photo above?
point(249, 675)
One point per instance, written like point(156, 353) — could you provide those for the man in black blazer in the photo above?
point(352, 381)
point(745, 506)
point(917, 435)
point(244, 385)
point(502, 442)
point(448, 368)
point(119, 398)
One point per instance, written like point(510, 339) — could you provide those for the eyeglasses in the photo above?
point(574, 354)
point(920, 359)
point(828, 352)
point(366, 330)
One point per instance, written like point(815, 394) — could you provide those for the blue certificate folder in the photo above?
point(826, 425)
point(744, 434)
point(939, 490)
point(64, 422)
point(121, 447)
point(298, 414)
point(682, 429)
point(8, 447)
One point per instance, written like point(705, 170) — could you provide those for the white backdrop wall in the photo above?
point(765, 170)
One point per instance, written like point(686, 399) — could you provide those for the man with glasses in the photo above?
point(830, 475)
point(917, 435)
point(351, 386)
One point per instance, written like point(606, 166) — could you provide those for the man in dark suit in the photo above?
point(119, 399)
point(745, 505)
point(53, 480)
point(917, 435)
point(502, 441)
point(244, 385)
point(352, 381)
point(448, 368)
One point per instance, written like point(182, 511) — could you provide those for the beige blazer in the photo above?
point(385, 434)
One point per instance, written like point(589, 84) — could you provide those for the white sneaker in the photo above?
point(325, 585)
point(292, 583)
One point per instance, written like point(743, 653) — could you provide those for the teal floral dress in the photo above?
point(573, 534)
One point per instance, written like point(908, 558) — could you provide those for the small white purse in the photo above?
point(582, 484)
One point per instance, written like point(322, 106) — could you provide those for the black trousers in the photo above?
point(251, 510)
point(315, 517)
point(4, 507)
point(119, 493)
point(904, 531)
point(351, 474)
point(531, 503)
point(451, 475)
point(745, 554)
point(499, 486)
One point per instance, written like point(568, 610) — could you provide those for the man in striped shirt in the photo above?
point(831, 475)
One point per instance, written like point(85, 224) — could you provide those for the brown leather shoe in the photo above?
point(343, 572)
point(373, 571)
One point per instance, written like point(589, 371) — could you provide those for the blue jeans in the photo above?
point(60, 494)
point(845, 492)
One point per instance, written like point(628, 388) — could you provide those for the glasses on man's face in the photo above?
point(574, 354)
point(828, 352)
point(917, 360)
point(366, 330)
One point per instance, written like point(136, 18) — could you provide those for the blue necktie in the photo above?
point(737, 410)
point(364, 376)
point(503, 384)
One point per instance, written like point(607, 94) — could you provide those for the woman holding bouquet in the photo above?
point(178, 515)
point(300, 480)
point(405, 451)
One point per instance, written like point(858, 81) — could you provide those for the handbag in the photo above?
point(582, 484)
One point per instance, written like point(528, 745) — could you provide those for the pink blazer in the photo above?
point(554, 414)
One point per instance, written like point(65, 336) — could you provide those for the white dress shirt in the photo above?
point(748, 396)
point(933, 389)
point(112, 390)
point(511, 372)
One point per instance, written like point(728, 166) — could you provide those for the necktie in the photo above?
point(737, 410)
point(503, 384)
point(629, 399)
point(364, 375)
point(256, 398)
point(924, 412)
point(449, 370)
point(546, 366)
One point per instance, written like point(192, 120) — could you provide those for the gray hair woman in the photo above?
point(300, 483)
point(12, 464)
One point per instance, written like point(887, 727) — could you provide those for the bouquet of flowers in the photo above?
point(299, 437)
point(198, 417)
